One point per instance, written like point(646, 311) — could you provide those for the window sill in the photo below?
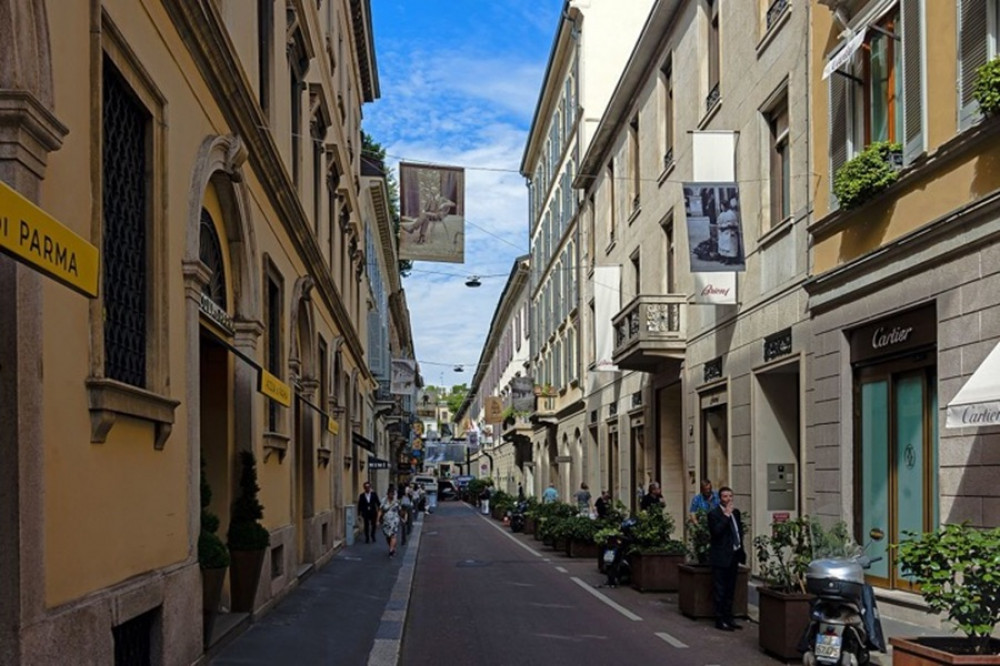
point(109, 399)
point(711, 114)
point(276, 442)
point(636, 211)
point(775, 232)
point(667, 170)
point(774, 30)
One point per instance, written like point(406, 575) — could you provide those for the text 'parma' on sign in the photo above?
point(37, 239)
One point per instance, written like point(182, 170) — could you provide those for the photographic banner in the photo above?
point(432, 213)
point(715, 232)
point(494, 409)
point(607, 303)
point(522, 394)
point(404, 376)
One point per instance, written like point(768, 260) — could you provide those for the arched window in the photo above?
point(210, 253)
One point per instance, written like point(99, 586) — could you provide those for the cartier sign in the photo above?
point(903, 332)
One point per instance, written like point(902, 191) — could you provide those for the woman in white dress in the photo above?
point(388, 518)
point(729, 233)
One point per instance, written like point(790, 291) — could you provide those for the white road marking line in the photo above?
point(621, 609)
point(511, 537)
point(670, 639)
point(561, 570)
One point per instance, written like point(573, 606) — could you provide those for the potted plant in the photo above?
point(247, 538)
point(867, 174)
point(655, 555)
point(958, 570)
point(580, 531)
point(783, 557)
point(987, 88)
point(694, 577)
point(213, 559)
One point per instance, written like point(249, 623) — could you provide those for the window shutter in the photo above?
point(972, 27)
point(913, 79)
point(838, 121)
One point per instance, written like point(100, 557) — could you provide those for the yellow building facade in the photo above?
point(903, 287)
point(210, 151)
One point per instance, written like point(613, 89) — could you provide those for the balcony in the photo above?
point(650, 330)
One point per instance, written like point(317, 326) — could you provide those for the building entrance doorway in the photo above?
point(714, 459)
point(215, 409)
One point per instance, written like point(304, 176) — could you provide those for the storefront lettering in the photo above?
point(984, 416)
point(712, 290)
point(882, 338)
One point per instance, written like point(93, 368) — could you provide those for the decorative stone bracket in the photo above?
point(108, 399)
point(276, 442)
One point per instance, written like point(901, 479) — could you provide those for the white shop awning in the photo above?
point(978, 402)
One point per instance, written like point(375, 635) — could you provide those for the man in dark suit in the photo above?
point(368, 506)
point(725, 555)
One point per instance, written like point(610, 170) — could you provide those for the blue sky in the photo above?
point(459, 81)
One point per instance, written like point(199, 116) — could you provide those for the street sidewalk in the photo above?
point(351, 611)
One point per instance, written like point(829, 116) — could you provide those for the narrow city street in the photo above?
point(484, 595)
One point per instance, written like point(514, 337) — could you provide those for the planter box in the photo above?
point(695, 591)
point(582, 549)
point(655, 572)
point(783, 619)
point(212, 581)
point(244, 576)
point(529, 525)
point(928, 651)
point(559, 544)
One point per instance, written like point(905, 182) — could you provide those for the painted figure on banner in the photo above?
point(432, 215)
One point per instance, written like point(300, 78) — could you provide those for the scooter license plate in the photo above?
point(828, 647)
point(609, 556)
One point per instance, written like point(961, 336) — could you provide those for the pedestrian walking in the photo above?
point(520, 492)
point(388, 518)
point(550, 495)
point(405, 512)
point(582, 497)
point(603, 504)
point(652, 499)
point(704, 501)
point(484, 500)
point(725, 554)
point(368, 504)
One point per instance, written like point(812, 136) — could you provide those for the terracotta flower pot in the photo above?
point(212, 581)
point(784, 617)
point(655, 572)
point(695, 591)
point(244, 577)
point(933, 650)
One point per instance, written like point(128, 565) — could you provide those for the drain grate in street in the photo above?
point(472, 563)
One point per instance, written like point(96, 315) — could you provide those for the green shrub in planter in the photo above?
point(697, 539)
point(653, 532)
point(867, 174)
point(987, 88)
point(212, 553)
point(784, 555)
point(958, 570)
point(245, 530)
point(581, 529)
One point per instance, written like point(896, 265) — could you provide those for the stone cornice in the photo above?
point(204, 33)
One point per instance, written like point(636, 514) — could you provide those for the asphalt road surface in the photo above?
point(484, 596)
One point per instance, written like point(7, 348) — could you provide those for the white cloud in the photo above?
point(460, 88)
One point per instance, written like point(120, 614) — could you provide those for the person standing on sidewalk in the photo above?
point(582, 497)
point(484, 500)
point(550, 495)
point(388, 518)
point(368, 510)
point(725, 554)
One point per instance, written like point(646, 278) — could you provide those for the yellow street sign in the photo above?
point(332, 426)
point(34, 237)
point(275, 389)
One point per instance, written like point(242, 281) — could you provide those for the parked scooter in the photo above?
point(516, 516)
point(616, 564)
point(844, 622)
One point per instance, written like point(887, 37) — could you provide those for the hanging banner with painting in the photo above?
point(432, 213)
point(403, 380)
point(715, 232)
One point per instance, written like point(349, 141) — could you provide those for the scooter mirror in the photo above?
point(876, 534)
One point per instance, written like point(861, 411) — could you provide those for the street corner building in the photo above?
point(234, 289)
